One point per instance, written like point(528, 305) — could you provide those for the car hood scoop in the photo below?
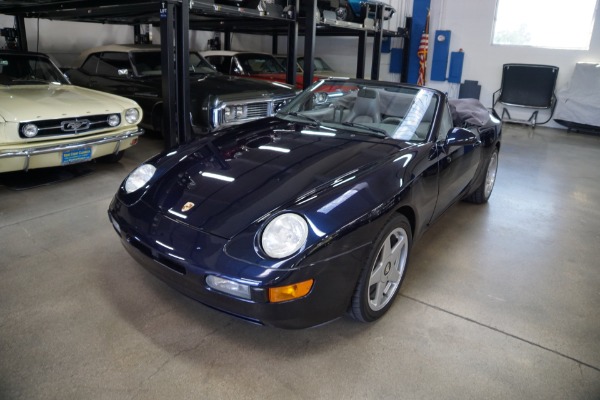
point(229, 183)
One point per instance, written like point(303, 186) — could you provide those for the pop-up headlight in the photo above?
point(284, 235)
point(139, 177)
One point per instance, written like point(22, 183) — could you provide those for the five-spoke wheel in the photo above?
point(382, 275)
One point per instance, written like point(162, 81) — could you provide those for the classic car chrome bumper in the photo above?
point(33, 151)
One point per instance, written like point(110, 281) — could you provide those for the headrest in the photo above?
point(367, 93)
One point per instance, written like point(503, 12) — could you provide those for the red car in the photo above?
point(253, 65)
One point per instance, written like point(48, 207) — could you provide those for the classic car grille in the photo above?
point(68, 126)
point(257, 110)
point(253, 110)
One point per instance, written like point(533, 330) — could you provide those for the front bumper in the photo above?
point(40, 155)
point(183, 257)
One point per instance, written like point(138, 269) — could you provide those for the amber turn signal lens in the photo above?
point(290, 292)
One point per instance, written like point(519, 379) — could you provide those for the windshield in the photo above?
point(318, 64)
point(283, 61)
point(28, 69)
point(371, 108)
point(148, 63)
point(259, 64)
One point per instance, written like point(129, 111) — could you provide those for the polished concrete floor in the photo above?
point(502, 301)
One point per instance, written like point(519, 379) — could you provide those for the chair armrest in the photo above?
point(494, 100)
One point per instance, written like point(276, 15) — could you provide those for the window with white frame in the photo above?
point(556, 24)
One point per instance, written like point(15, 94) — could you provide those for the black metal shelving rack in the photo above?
point(176, 17)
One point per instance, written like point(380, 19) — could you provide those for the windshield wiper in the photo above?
point(315, 121)
point(381, 132)
point(30, 81)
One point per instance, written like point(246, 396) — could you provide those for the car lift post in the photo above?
point(174, 27)
point(360, 59)
point(21, 33)
point(309, 41)
point(292, 48)
point(377, 42)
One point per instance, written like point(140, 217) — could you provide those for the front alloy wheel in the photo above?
point(382, 276)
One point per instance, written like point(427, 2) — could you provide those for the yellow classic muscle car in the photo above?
point(46, 122)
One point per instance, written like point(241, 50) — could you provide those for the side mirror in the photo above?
point(461, 137)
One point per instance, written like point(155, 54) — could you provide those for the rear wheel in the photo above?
point(484, 191)
point(382, 276)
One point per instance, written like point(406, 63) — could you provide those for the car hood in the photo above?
point(225, 84)
point(280, 77)
point(224, 185)
point(29, 102)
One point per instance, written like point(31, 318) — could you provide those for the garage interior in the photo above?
point(500, 301)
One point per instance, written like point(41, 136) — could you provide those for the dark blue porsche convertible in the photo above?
point(295, 220)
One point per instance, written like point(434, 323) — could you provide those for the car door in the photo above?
point(221, 63)
point(113, 74)
point(457, 165)
point(81, 76)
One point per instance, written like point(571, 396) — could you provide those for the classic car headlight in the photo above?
point(284, 235)
point(29, 130)
point(231, 113)
point(114, 119)
point(132, 115)
point(139, 177)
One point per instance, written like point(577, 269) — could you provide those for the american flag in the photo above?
point(422, 53)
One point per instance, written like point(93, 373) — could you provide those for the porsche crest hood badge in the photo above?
point(187, 206)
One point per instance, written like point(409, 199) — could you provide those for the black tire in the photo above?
point(111, 158)
point(484, 190)
point(384, 271)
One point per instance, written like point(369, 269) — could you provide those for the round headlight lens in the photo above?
point(114, 119)
point(139, 177)
point(29, 130)
point(284, 235)
point(132, 115)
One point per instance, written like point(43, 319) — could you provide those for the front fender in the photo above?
point(340, 217)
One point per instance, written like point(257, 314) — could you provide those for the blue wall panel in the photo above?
point(420, 10)
point(396, 61)
point(456, 65)
point(441, 49)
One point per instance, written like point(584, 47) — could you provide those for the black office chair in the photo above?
point(527, 85)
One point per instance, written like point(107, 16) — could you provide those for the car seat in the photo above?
point(366, 107)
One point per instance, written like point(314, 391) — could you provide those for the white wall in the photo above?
point(469, 21)
point(340, 52)
point(471, 24)
point(64, 40)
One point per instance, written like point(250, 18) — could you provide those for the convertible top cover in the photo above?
point(469, 112)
